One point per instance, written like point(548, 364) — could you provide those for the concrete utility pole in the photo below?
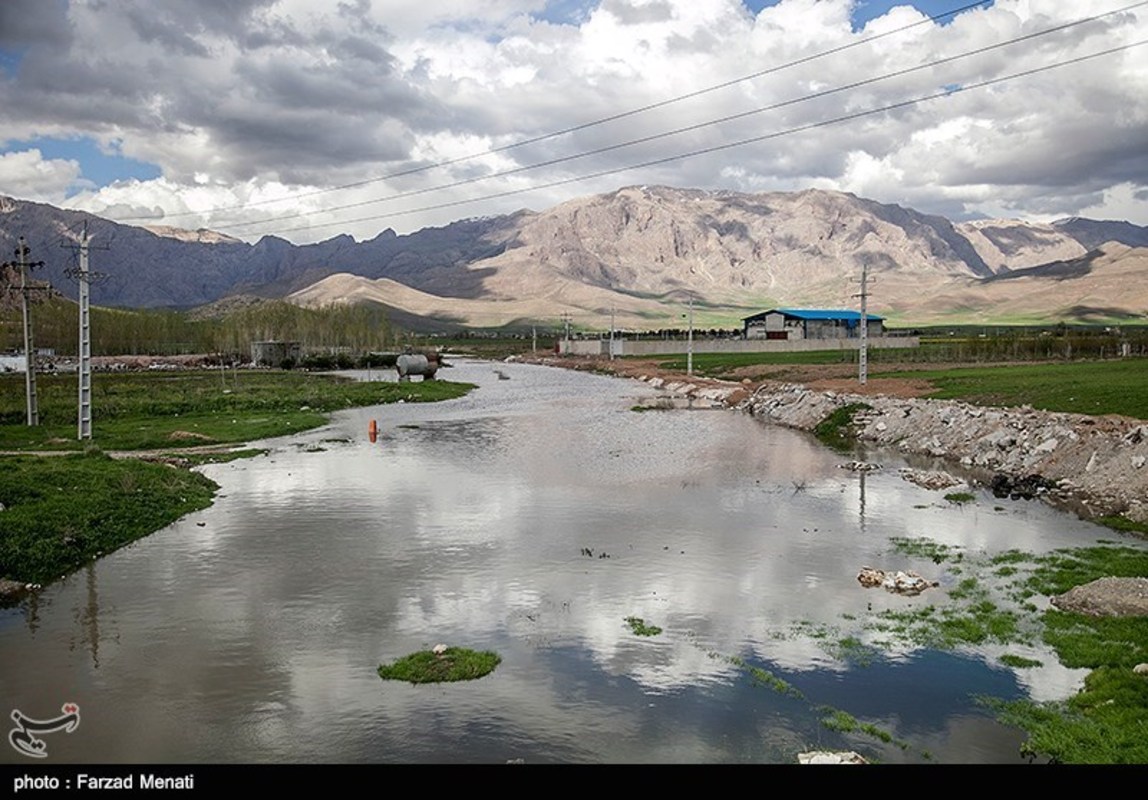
point(690, 340)
point(863, 352)
point(566, 320)
point(23, 264)
point(84, 412)
point(85, 277)
point(611, 333)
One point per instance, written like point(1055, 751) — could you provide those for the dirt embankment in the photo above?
point(1096, 465)
point(1099, 462)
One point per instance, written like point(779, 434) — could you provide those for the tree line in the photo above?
point(359, 329)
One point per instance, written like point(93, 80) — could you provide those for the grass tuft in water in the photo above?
point(926, 548)
point(762, 677)
point(640, 628)
point(843, 722)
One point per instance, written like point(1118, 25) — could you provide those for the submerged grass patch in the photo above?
point(950, 627)
point(843, 722)
point(452, 664)
point(1107, 720)
point(1119, 523)
point(1059, 571)
point(959, 498)
point(926, 548)
point(762, 677)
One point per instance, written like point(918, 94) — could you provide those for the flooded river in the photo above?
point(531, 517)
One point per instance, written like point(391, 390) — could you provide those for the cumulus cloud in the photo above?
point(294, 96)
point(27, 174)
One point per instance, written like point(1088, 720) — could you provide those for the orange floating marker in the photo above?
point(373, 431)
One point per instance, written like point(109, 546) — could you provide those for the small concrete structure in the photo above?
point(274, 354)
point(13, 364)
point(788, 324)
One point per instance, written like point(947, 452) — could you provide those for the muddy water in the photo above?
point(251, 631)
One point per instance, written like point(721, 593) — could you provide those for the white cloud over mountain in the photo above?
point(248, 102)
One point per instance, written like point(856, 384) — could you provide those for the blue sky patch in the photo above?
point(866, 10)
point(99, 167)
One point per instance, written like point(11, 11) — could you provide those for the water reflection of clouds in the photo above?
point(268, 620)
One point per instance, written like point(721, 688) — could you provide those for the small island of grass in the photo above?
point(447, 665)
point(640, 628)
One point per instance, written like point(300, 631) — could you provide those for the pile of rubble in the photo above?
point(1097, 461)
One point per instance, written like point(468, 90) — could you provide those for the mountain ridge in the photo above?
point(643, 250)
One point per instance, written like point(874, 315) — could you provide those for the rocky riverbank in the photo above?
point(1096, 461)
point(1096, 465)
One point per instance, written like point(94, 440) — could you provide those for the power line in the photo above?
point(585, 125)
point(948, 92)
point(678, 131)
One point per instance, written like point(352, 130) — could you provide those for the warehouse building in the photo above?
point(789, 324)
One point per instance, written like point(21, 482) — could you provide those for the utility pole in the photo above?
point(863, 352)
point(533, 338)
point(23, 264)
point(690, 340)
point(84, 414)
point(566, 320)
point(84, 277)
point(611, 333)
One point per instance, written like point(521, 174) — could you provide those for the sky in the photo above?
point(308, 119)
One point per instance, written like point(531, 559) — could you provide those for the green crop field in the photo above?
point(1083, 387)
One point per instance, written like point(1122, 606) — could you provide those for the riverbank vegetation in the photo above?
point(838, 430)
point(60, 513)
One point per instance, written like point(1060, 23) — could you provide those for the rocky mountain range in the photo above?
point(639, 253)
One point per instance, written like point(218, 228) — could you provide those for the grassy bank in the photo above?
point(154, 410)
point(61, 512)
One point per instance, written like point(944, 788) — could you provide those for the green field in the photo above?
point(1083, 387)
point(155, 410)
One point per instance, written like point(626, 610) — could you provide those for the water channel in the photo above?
point(251, 631)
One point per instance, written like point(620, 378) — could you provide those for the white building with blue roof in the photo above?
point(789, 324)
